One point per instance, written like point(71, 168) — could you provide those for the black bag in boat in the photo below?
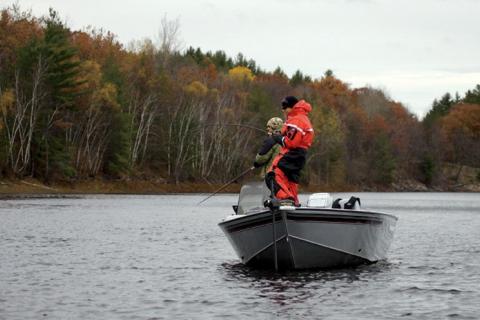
point(336, 204)
point(351, 204)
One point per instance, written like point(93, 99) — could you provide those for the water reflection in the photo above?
point(297, 286)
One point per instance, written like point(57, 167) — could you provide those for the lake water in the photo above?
point(164, 257)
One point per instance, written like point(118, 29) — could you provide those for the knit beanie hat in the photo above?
point(289, 102)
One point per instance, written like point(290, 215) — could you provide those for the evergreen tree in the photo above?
point(252, 65)
point(440, 108)
point(118, 150)
point(111, 73)
point(473, 96)
point(221, 61)
point(196, 54)
point(61, 85)
point(297, 79)
point(63, 66)
point(382, 161)
point(240, 60)
point(328, 73)
point(279, 72)
point(428, 167)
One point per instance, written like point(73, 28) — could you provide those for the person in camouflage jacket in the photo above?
point(270, 149)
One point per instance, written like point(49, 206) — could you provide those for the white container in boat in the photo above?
point(321, 200)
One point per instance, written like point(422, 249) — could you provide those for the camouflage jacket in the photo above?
point(266, 159)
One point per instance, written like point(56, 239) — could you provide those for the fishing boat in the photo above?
point(311, 236)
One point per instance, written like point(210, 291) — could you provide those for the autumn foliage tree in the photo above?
point(461, 129)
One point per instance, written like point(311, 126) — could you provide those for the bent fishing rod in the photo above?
point(227, 184)
point(235, 125)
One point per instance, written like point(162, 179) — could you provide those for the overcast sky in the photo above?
point(415, 50)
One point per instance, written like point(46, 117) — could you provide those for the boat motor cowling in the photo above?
point(320, 200)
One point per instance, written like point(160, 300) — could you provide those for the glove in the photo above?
point(278, 138)
point(256, 164)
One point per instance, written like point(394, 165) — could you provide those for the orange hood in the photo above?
point(300, 107)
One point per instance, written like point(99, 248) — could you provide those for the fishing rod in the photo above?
point(234, 125)
point(246, 126)
point(227, 184)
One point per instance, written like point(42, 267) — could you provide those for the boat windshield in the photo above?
point(252, 196)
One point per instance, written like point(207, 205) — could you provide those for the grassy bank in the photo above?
point(11, 188)
point(99, 186)
point(30, 187)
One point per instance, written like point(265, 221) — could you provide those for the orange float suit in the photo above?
point(296, 138)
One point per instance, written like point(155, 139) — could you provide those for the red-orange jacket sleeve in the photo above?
point(293, 136)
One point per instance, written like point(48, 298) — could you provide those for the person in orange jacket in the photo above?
point(295, 139)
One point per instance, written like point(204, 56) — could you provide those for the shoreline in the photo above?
point(31, 188)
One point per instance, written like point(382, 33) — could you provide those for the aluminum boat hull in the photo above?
point(310, 237)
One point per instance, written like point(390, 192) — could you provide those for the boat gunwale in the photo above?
point(263, 217)
point(345, 213)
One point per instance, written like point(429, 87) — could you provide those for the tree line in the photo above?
point(79, 104)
